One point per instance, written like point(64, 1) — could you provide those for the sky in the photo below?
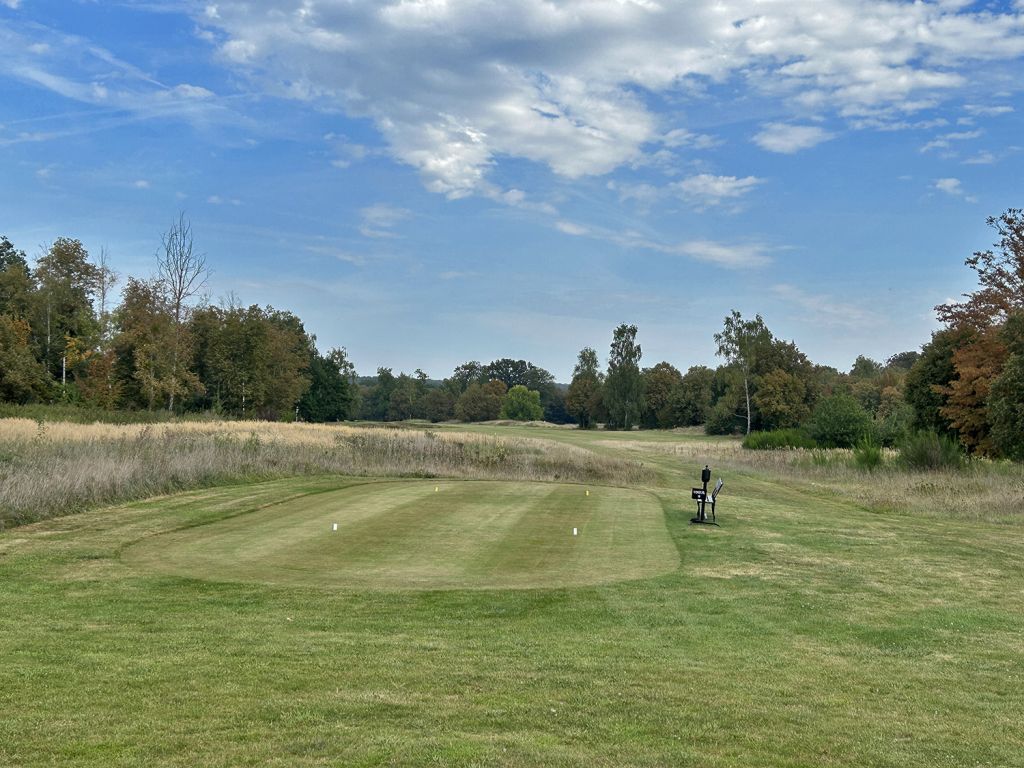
point(426, 182)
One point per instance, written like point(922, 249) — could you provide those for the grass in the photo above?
point(49, 470)
point(425, 535)
point(808, 630)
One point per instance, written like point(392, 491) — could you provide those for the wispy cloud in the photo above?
point(379, 220)
point(788, 139)
point(707, 190)
point(727, 255)
point(825, 310)
point(946, 140)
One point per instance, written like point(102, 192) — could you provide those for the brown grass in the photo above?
point(51, 469)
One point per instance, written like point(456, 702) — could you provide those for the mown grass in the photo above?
point(806, 631)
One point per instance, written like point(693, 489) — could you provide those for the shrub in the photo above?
point(929, 450)
point(839, 422)
point(778, 438)
point(867, 454)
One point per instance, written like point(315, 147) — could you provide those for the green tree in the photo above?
point(690, 401)
point(839, 422)
point(17, 286)
point(1006, 395)
point(742, 343)
point(22, 378)
point(781, 400)
point(143, 345)
point(329, 397)
point(522, 404)
point(623, 387)
point(480, 402)
point(658, 384)
point(438, 405)
point(928, 377)
point(584, 395)
point(67, 284)
point(402, 401)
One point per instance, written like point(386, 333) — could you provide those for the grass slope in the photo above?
point(407, 535)
point(806, 631)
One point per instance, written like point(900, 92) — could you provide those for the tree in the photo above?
point(865, 368)
point(583, 396)
point(183, 273)
point(17, 286)
point(781, 400)
point(658, 385)
point(329, 397)
point(480, 402)
point(522, 404)
point(1000, 274)
point(741, 343)
point(927, 379)
point(463, 376)
point(839, 422)
point(67, 284)
point(438, 405)
point(690, 401)
point(623, 389)
point(143, 345)
point(1006, 396)
point(977, 365)
point(22, 378)
point(402, 402)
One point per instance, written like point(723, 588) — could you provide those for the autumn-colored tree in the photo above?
point(781, 400)
point(979, 360)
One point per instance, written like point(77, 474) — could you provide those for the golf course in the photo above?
point(341, 620)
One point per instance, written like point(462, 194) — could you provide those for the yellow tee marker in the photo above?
point(588, 493)
point(435, 489)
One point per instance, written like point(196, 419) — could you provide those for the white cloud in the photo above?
point(788, 139)
point(141, 184)
point(707, 190)
point(378, 220)
point(456, 87)
point(988, 111)
point(954, 188)
point(946, 140)
point(731, 256)
point(570, 228)
point(13, 4)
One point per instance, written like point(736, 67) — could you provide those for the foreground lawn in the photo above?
point(806, 631)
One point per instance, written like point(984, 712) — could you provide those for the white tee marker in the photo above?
point(573, 531)
point(335, 527)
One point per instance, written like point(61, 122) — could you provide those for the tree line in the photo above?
point(164, 346)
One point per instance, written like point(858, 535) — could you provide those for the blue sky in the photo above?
point(428, 182)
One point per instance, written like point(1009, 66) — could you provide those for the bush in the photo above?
point(929, 450)
point(839, 422)
point(778, 438)
point(867, 454)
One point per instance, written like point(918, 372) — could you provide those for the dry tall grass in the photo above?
point(51, 469)
point(982, 490)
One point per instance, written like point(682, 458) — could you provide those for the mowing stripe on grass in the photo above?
point(404, 535)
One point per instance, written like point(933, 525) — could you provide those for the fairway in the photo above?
point(428, 535)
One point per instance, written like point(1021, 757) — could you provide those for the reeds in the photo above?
point(51, 469)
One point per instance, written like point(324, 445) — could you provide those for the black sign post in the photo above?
point(700, 495)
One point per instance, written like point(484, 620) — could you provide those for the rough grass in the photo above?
point(51, 469)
